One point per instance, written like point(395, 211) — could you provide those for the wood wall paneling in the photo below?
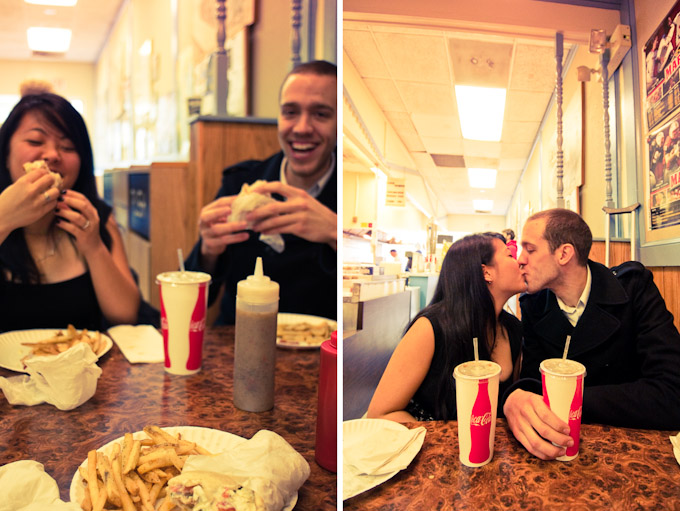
point(666, 278)
point(217, 143)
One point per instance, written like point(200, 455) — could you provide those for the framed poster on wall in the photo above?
point(661, 66)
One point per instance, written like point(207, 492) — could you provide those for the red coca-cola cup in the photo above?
point(563, 393)
point(184, 301)
point(476, 403)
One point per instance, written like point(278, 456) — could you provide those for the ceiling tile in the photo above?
point(479, 63)
point(448, 160)
point(427, 98)
point(485, 149)
point(534, 68)
point(520, 131)
point(443, 145)
point(481, 162)
point(526, 106)
point(515, 150)
point(386, 94)
point(415, 57)
point(437, 126)
point(361, 49)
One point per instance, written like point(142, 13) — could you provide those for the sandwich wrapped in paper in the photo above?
point(247, 201)
point(210, 491)
point(260, 474)
point(41, 164)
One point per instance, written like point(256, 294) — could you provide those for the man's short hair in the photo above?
point(564, 226)
point(314, 67)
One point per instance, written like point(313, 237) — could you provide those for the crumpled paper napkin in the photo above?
point(26, 486)
point(139, 343)
point(375, 450)
point(66, 380)
point(266, 464)
point(675, 440)
point(382, 451)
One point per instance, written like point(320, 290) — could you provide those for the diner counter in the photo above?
point(617, 469)
point(131, 396)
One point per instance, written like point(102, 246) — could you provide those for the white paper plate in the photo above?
point(11, 350)
point(213, 440)
point(352, 483)
point(287, 318)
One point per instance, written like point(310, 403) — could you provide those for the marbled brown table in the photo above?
point(131, 396)
point(617, 469)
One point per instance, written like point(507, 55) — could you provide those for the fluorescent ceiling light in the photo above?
point(58, 3)
point(482, 178)
point(481, 112)
point(482, 205)
point(55, 40)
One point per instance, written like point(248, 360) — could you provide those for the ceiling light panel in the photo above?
point(482, 178)
point(52, 40)
point(481, 111)
point(482, 205)
point(55, 3)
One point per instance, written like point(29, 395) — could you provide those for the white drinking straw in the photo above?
point(181, 259)
point(475, 343)
point(566, 348)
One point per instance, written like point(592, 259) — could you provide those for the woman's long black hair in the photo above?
point(15, 258)
point(464, 308)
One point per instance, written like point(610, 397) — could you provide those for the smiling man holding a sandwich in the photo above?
point(302, 179)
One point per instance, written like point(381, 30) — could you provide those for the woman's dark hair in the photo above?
point(464, 307)
point(15, 257)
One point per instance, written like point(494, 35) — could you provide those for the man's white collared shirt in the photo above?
point(316, 188)
point(573, 314)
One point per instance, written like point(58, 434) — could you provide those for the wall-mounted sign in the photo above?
point(396, 192)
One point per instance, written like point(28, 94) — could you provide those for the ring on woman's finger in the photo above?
point(47, 196)
point(87, 224)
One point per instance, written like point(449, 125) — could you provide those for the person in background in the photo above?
point(509, 235)
point(395, 256)
point(62, 258)
point(620, 330)
point(478, 276)
point(303, 177)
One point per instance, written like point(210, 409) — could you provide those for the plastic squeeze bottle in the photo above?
point(327, 407)
point(257, 304)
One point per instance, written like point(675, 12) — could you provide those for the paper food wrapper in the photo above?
point(66, 380)
point(140, 343)
point(382, 451)
point(675, 441)
point(266, 464)
point(27, 487)
point(245, 202)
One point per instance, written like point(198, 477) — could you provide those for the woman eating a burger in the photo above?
point(62, 258)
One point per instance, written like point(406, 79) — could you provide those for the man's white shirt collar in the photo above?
point(573, 314)
point(315, 189)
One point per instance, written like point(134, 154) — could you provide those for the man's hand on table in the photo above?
point(535, 426)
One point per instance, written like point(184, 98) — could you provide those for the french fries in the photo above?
point(303, 333)
point(134, 475)
point(64, 340)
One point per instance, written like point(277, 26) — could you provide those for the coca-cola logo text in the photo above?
point(197, 326)
point(575, 414)
point(480, 420)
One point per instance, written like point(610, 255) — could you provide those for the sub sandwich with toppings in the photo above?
point(211, 491)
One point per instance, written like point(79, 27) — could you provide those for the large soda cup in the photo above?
point(563, 393)
point(184, 301)
point(476, 402)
